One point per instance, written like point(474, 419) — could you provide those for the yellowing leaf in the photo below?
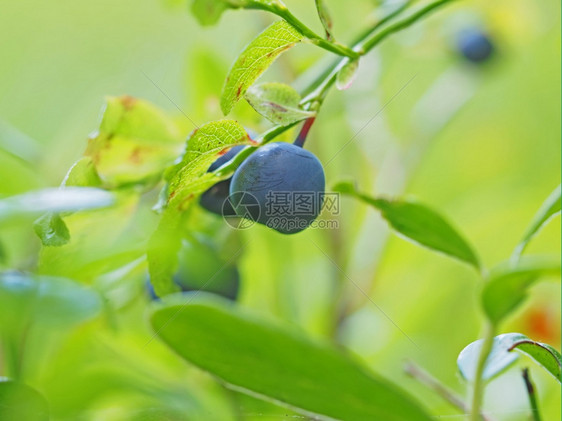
point(255, 59)
point(135, 142)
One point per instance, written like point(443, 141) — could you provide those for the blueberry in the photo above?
point(280, 185)
point(201, 268)
point(214, 198)
point(475, 46)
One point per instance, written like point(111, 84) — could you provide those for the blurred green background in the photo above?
point(480, 143)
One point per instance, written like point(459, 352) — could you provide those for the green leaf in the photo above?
point(255, 59)
point(549, 209)
point(45, 300)
point(82, 174)
point(345, 187)
point(507, 286)
point(419, 224)
point(277, 102)
point(325, 18)
point(346, 75)
point(52, 230)
point(277, 363)
point(21, 402)
point(190, 177)
point(187, 181)
point(543, 354)
point(499, 360)
point(135, 142)
point(62, 301)
point(68, 199)
point(502, 356)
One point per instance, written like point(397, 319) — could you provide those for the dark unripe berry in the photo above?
point(475, 46)
point(214, 198)
point(202, 269)
point(272, 185)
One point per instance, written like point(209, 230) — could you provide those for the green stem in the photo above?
point(369, 41)
point(326, 73)
point(334, 47)
point(376, 38)
point(316, 39)
point(479, 382)
point(532, 395)
point(228, 168)
point(363, 45)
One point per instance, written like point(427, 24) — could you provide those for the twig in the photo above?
point(422, 376)
point(531, 392)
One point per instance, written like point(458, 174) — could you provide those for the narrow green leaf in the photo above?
point(45, 300)
point(51, 230)
point(277, 102)
point(255, 59)
point(68, 199)
point(549, 209)
point(543, 354)
point(419, 224)
point(499, 360)
point(134, 143)
point(65, 302)
point(346, 76)
point(187, 180)
point(278, 364)
point(507, 286)
point(325, 18)
point(21, 402)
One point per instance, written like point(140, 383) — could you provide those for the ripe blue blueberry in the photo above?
point(475, 46)
point(214, 198)
point(281, 185)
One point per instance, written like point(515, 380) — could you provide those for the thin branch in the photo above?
point(422, 376)
point(531, 392)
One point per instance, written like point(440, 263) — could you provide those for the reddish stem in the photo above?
point(299, 141)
